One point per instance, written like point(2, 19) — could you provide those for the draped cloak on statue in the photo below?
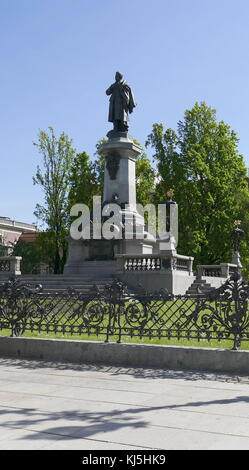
point(122, 101)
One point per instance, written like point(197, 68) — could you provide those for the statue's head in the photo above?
point(118, 76)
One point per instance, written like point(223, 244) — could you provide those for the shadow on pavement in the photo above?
point(116, 370)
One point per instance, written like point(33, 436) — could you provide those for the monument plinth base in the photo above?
point(82, 251)
point(120, 154)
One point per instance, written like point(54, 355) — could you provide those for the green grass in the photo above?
point(223, 344)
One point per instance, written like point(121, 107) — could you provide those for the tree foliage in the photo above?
point(200, 160)
point(31, 256)
point(145, 178)
point(82, 181)
point(54, 178)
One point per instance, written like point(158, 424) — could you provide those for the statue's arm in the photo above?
point(109, 90)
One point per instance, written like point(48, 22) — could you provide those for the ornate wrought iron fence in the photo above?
point(4, 265)
point(114, 313)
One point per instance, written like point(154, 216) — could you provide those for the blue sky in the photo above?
point(59, 56)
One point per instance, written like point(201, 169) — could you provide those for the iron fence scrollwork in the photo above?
point(114, 313)
point(4, 265)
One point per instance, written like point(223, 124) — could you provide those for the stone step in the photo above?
point(195, 296)
point(57, 279)
point(198, 288)
point(63, 281)
point(80, 283)
point(203, 288)
point(75, 288)
point(86, 275)
point(202, 282)
point(62, 284)
point(75, 276)
point(73, 281)
point(59, 283)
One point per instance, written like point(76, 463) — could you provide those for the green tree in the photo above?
point(243, 216)
point(54, 179)
point(145, 180)
point(99, 167)
point(86, 178)
point(201, 162)
point(83, 182)
point(31, 256)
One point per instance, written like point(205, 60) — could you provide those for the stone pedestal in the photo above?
point(120, 154)
point(236, 260)
point(82, 251)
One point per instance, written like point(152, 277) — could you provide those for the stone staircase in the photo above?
point(199, 288)
point(96, 273)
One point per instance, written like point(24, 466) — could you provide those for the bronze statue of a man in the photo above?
point(122, 103)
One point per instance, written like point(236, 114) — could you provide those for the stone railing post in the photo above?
point(15, 265)
point(190, 264)
point(120, 263)
point(199, 271)
point(224, 269)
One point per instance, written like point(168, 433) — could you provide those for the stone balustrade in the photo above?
point(215, 270)
point(158, 262)
point(10, 265)
point(168, 271)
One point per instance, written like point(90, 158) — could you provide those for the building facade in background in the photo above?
point(11, 231)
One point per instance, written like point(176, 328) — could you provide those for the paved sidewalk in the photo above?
point(57, 406)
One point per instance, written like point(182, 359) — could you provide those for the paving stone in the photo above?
point(57, 406)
